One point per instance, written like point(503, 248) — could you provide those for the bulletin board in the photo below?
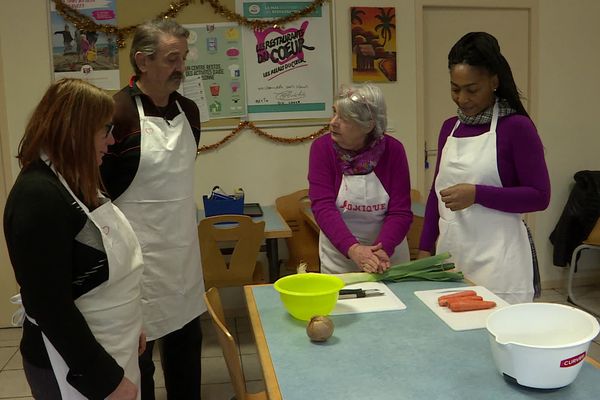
point(133, 12)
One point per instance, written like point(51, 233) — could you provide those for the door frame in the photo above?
point(531, 6)
point(8, 284)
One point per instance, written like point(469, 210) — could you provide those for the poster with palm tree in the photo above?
point(373, 44)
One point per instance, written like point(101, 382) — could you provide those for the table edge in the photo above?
point(592, 361)
point(269, 376)
point(280, 234)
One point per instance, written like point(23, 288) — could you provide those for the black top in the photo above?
point(120, 165)
point(45, 231)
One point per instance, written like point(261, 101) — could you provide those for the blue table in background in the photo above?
point(407, 355)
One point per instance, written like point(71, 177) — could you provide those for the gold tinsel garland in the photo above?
point(261, 23)
point(250, 125)
point(85, 23)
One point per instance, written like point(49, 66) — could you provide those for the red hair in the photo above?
point(63, 126)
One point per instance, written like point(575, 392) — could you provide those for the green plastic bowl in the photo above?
point(307, 295)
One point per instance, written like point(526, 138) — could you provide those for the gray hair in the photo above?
point(147, 35)
point(363, 104)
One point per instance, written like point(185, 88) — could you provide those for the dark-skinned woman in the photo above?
point(490, 170)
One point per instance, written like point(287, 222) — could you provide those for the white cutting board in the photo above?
point(460, 321)
point(386, 302)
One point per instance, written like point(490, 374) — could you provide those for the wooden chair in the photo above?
point(592, 242)
point(304, 243)
point(415, 195)
point(229, 347)
point(414, 233)
point(245, 235)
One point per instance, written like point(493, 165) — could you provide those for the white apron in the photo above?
point(113, 309)
point(362, 201)
point(160, 205)
point(490, 246)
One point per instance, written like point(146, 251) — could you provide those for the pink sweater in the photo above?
point(325, 178)
point(521, 166)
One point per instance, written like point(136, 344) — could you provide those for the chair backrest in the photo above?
point(304, 243)
point(415, 195)
point(228, 346)
point(246, 237)
point(594, 236)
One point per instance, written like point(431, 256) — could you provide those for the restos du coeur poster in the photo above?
point(289, 72)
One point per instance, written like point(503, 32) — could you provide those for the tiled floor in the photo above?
point(215, 378)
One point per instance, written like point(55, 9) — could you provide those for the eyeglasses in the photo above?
point(109, 129)
point(358, 98)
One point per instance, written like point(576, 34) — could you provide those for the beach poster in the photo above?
point(89, 55)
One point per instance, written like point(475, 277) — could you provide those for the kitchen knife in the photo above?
point(358, 293)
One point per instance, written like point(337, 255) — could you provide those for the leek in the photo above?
point(430, 268)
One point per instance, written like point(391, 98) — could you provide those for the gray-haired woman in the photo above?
point(359, 187)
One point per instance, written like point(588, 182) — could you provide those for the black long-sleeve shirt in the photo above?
point(53, 249)
point(120, 164)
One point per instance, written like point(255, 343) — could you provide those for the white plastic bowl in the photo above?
point(541, 345)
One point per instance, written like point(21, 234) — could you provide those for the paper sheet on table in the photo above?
point(193, 88)
point(387, 302)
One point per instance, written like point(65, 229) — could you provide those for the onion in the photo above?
point(319, 328)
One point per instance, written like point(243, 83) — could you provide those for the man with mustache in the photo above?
point(149, 173)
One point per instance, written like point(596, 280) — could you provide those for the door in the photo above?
point(8, 285)
point(439, 25)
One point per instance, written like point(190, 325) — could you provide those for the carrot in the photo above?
point(457, 294)
point(471, 305)
point(445, 302)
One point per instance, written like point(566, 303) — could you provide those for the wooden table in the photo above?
point(409, 354)
point(275, 228)
point(271, 384)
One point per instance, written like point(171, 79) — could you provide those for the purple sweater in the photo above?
point(521, 166)
point(325, 178)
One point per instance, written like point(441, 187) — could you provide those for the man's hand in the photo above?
point(125, 391)
point(142, 343)
point(458, 197)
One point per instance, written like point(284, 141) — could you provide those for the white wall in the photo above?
point(569, 102)
point(569, 84)
point(267, 170)
point(26, 63)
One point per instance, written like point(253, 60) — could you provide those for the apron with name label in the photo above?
point(113, 309)
point(491, 247)
point(362, 201)
point(160, 205)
